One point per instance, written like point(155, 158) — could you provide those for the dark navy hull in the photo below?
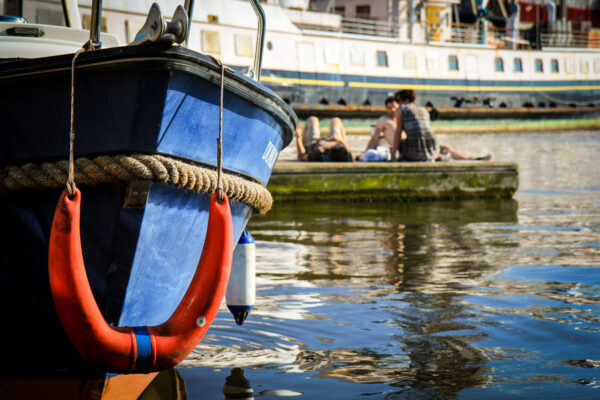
point(139, 260)
point(356, 90)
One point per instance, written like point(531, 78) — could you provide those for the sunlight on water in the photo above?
point(470, 299)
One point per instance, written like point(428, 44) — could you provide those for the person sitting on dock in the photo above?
point(312, 148)
point(414, 139)
point(379, 148)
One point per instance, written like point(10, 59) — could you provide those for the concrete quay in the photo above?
point(402, 181)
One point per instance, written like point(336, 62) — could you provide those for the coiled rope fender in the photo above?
point(136, 349)
point(155, 167)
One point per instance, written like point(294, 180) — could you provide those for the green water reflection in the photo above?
point(402, 269)
point(391, 240)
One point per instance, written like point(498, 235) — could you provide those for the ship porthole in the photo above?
point(269, 45)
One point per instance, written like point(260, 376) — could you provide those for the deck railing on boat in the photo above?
point(346, 24)
point(364, 26)
point(481, 33)
point(518, 39)
point(570, 39)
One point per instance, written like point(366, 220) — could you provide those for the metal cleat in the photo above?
point(177, 30)
point(156, 29)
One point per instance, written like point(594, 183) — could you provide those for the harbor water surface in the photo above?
point(463, 299)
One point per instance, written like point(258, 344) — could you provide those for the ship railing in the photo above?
point(481, 33)
point(459, 33)
point(512, 39)
point(570, 39)
point(375, 27)
point(389, 28)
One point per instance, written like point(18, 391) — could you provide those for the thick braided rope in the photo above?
point(157, 168)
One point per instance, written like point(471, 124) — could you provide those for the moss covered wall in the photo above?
point(397, 181)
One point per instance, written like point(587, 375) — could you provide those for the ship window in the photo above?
point(86, 22)
point(243, 45)
point(332, 53)
point(431, 62)
point(410, 60)
point(453, 63)
point(570, 65)
point(210, 42)
point(539, 65)
point(49, 12)
point(584, 66)
point(554, 65)
point(382, 59)
point(363, 11)
point(597, 65)
point(471, 65)
point(51, 17)
point(357, 57)
point(518, 65)
point(499, 64)
point(340, 10)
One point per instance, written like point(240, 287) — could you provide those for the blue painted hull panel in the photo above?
point(162, 269)
point(242, 124)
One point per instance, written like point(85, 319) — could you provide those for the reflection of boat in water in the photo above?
point(166, 384)
point(148, 159)
point(342, 241)
point(237, 386)
point(452, 53)
point(386, 260)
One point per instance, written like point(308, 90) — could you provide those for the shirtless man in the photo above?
point(378, 149)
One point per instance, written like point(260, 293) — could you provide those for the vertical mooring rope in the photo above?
point(220, 138)
point(71, 173)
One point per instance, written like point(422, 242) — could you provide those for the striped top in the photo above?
point(421, 144)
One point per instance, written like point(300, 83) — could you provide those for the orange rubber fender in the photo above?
point(136, 349)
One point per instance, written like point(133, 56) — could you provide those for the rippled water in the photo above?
point(470, 299)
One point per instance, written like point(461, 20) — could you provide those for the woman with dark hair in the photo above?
point(414, 138)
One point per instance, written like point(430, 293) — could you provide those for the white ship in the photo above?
point(355, 53)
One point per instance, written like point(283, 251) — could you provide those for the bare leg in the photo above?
point(454, 154)
point(457, 155)
point(311, 131)
point(301, 150)
point(336, 129)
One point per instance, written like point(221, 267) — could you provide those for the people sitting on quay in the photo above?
point(379, 146)
point(311, 147)
point(414, 139)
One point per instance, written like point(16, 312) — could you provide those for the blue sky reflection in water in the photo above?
point(469, 300)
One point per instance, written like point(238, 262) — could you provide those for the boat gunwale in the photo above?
point(166, 57)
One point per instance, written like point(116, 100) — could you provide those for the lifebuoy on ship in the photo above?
point(145, 348)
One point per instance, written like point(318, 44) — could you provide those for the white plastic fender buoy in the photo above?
point(241, 289)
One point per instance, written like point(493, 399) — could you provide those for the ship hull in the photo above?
point(359, 90)
point(139, 257)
